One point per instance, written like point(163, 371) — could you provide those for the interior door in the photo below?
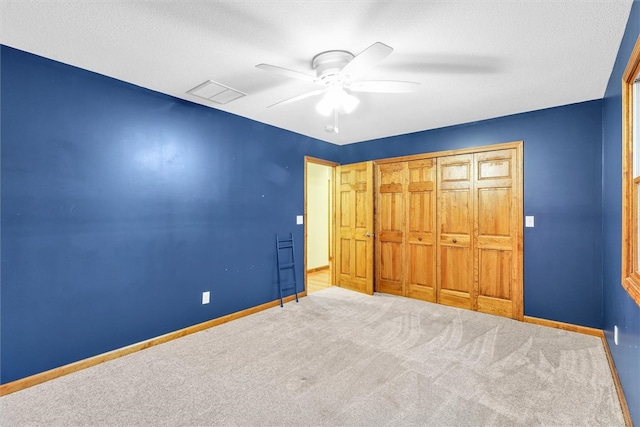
point(354, 227)
point(390, 226)
point(496, 230)
point(421, 230)
point(455, 230)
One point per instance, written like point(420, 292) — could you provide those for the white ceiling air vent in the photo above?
point(216, 92)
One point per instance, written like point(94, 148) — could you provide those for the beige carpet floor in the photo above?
point(341, 358)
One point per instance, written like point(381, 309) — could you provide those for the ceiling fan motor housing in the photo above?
point(329, 64)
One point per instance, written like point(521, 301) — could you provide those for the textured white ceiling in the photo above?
point(474, 59)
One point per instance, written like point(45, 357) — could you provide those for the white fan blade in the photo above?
point(366, 60)
point(298, 98)
point(287, 72)
point(383, 86)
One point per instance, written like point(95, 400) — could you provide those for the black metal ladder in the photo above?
point(285, 259)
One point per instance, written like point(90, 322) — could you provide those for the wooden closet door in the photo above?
point(421, 230)
point(496, 205)
point(390, 226)
point(354, 228)
point(455, 230)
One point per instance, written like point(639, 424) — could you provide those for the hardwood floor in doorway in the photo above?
point(318, 280)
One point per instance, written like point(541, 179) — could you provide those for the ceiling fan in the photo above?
point(337, 72)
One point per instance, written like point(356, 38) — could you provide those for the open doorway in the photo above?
point(318, 209)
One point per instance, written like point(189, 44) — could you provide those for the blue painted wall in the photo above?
point(619, 308)
point(120, 206)
point(562, 189)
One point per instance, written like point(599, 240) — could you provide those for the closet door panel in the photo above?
point(449, 229)
point(390, 230)
point(455, 266)
point(495, 231)
point(421, 226)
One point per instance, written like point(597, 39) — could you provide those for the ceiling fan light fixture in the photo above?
point(336, 98)
point(324, 107)
point(349, 103)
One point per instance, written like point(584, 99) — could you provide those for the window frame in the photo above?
point(630, 241)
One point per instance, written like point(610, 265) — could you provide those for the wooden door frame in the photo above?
point(332, 165)
point(518, 145)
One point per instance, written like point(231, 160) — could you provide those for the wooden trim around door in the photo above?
point(471, 150)
point(332, 165)
point(519, 147)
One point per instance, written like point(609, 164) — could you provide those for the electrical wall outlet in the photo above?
point(206, 297)
point(615, 334)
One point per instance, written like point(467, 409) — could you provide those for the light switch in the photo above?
point(528, 221)
point(206, 297)
point(299, 219)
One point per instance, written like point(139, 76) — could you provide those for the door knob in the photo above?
point(369, 235)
